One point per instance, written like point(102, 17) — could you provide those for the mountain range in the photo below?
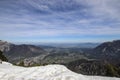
point(109, 51)
point(15, 53)
point(103, 59)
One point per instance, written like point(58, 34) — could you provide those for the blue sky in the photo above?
point(59, 20)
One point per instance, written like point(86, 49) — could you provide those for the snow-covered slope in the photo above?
point(49, 72)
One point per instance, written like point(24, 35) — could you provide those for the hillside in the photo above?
point(94, 67)
point(109, 51)
point(16, 53)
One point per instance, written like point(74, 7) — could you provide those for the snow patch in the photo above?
point(49, 72)
point(104, 49)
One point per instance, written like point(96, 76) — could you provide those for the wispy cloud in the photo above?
point(56, 18)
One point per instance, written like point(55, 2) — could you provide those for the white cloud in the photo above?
point(107, 8)
point(59, 18)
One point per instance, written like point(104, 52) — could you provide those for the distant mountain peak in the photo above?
point(108, 50)
point(16, 52)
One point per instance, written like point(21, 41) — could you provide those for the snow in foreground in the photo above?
point(49, 72)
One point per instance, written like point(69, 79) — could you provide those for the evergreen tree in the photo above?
point(2, 57)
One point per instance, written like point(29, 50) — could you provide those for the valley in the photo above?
point(102, 60)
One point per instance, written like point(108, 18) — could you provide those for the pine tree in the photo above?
point(2, 57)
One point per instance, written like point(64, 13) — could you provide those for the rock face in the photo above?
point(109, 51)
point(5, 46)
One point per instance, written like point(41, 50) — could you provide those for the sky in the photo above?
point(59, 20)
